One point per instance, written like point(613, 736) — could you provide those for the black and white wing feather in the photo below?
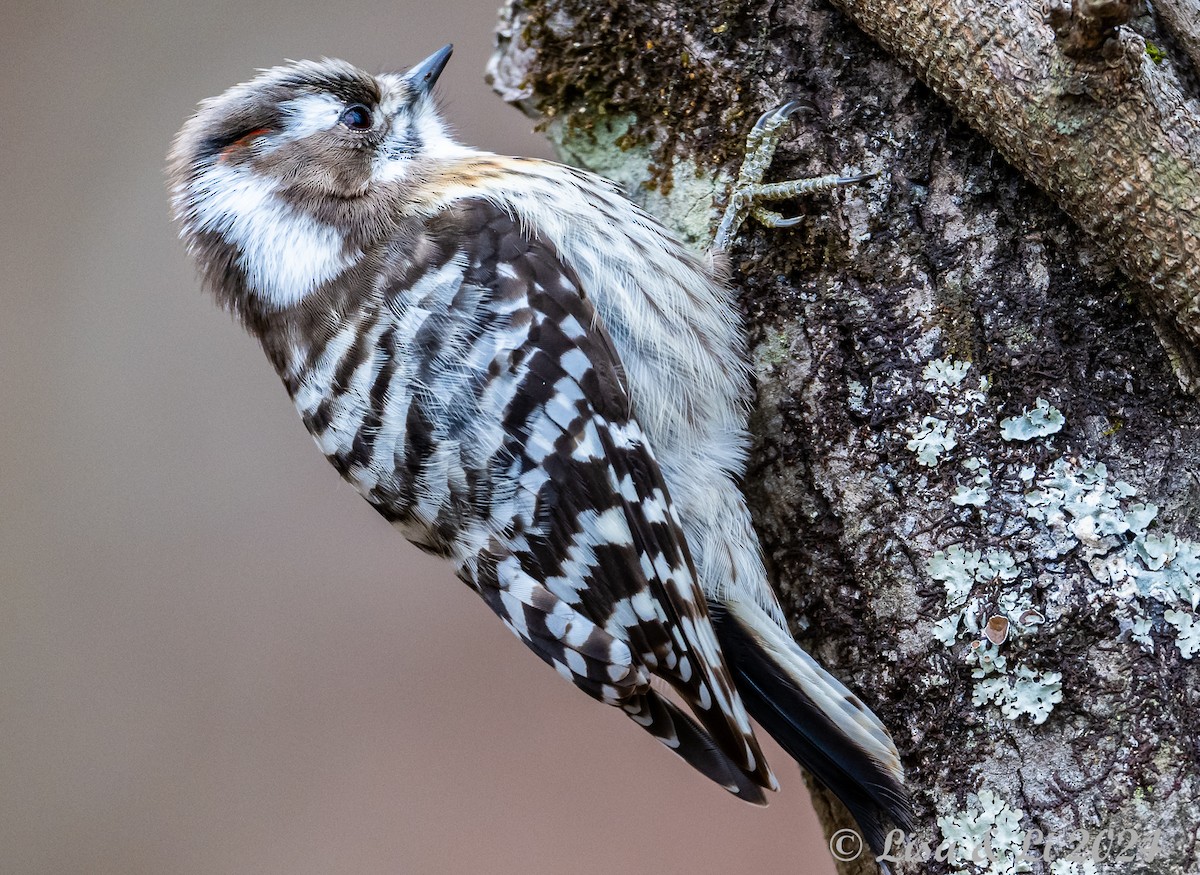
point(520, 460)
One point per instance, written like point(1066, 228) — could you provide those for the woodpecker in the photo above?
point(529, 376)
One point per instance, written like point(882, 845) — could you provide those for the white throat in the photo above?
point(285, 254)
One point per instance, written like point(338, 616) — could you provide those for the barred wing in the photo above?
point(579, 550)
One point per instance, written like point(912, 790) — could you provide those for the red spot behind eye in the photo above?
point(242, 141)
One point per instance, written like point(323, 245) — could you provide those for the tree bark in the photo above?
point(976, 475)
point(1081, 108)
point(1181, 20)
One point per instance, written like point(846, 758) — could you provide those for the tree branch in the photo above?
point(1108, 135)
point(1182, 20)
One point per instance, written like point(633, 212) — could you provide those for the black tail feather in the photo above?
point(872, 792)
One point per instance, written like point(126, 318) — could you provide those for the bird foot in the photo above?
point(749, 193)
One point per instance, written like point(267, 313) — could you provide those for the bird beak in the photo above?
point(423, 76)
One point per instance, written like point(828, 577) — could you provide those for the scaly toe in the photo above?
point(749, 192)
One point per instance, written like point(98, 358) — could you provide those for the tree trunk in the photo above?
point(975, 472)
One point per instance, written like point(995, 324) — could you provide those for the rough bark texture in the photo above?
point(967, 429)
point(1083, 110)
point(1181, 19)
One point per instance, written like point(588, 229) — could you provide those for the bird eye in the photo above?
point(356, 117)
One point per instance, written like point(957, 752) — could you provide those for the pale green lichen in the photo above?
point(1188, 632)
point(972, 495)
point(1075, 510)
point(975, 494)
point(984, 594)
point(960, 569)
point(1137, 564)
point(1038, 421)
point(941, 374)
point(998, 564)
point(946, 630)
point(1024, 691)
point(956, 568)
point(945, 380)
point(986, 836)
point(1156, 550)
point(932, 440)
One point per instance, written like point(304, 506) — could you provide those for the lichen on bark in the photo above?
point(916, 313)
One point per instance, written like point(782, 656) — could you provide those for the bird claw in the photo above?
point(860, 177)
point(778, 115)
point(749, 192)
point(776, 220)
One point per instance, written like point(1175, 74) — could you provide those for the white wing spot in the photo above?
point(612, 528)
point(575, 363)
point(644, 606)
point(576, 663)
point(685, 670)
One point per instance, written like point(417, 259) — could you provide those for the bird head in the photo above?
point(279, 182)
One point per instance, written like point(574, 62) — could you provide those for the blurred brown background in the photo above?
point(214, 657)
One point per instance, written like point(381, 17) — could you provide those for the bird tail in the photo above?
point(815, 718)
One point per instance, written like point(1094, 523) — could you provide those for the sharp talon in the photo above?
point(763, 120)
point(862, 177)
point(790, 108)
point(772, 219)
point(778, 115)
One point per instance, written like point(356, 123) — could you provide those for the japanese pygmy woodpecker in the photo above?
point(529, 376)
